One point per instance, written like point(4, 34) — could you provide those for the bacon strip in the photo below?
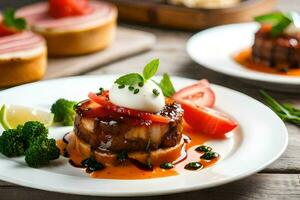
point(20, 41)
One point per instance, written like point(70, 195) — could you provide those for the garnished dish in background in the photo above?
point(276, 47)
point(144, 129)
point(23, 54)
point(72, 27)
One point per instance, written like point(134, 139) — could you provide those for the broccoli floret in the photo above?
point(64, 112)
point(12, 142)
point(32, 130)
point(41, 152)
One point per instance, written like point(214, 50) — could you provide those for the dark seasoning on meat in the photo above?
point(118, 135)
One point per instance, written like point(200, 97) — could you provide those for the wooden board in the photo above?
point(153, 12)
point(128, 42)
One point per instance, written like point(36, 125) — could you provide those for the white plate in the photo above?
point(215, 47)
point(260, 139)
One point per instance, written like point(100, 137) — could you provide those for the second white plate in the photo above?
point(215, 47)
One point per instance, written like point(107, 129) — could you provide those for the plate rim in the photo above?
point(248, 75)
point(218, 182)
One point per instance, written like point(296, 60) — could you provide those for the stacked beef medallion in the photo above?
point(147, 142)
point(281, 51)
point(72, 27)
point(23, 55)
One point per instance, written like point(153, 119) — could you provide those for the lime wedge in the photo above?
point(14, 115)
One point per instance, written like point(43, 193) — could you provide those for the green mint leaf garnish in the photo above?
point(133, 79)
point(130, 79)
point(166, 86)
point(10, 20)
point(150, 69)
point(278, 20)
point(138, 79)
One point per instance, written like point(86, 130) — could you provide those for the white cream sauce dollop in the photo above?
point(144, 100)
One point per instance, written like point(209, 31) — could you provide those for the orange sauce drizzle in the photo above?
point(245, 58)
point(130, 171)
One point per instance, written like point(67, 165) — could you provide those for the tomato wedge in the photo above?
point(103, 101)
point(4, 31)
point(207, 120)
point(199, 93)
point(99, 111)
point(65, 8)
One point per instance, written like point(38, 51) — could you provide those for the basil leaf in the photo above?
point(166, 86)
point(8, 17)
point(130, 79)
point(150, 69)
point(271, 18)
point(280, 26)
point(278, 20)
point(20, 23)
point(11, 21)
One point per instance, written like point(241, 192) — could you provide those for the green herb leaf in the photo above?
point(166, 86)
point(130, 79)
point(285, 111)
point(8, 17)
point(150, 69)
point(20, 23)
point(10, 20)
point(280, 26)
point(278, 20)
point(270, 18)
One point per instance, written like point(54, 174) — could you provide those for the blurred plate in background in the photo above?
point(214, 49)
point(160, 13)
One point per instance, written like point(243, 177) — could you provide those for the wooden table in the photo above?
point(280, 180)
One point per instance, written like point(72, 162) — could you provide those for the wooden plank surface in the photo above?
point(138, 41)
point(260, 186)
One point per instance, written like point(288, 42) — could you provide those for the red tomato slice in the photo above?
point(65, 8)
point(207, 120)
point(103, 101)
point(99, 111)
point(4, 31)
point(199, 93)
